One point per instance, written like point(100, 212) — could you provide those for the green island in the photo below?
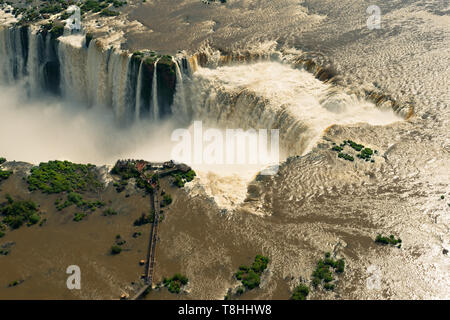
point(363, 153)
point(63, 176)
point(388, 240)
point(175, 283)
point(17, 212)
point(182, 178)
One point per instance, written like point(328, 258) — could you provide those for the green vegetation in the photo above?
point(79, 216)
point(145, 219)
point(5, 174)
point(4, 252)
point(51, 9)
point(251, 276)
point(174, 284)
point(2, 160)
point(323, 272)
point(300, 292)
point(59, 176)
point(181, 178)
point(57, 31)
point(167, 199)
point(74, 198)
point(127, 170)
point(109, 13)
point(364, 153)
point(2, 234)
point(115, 249)
point(137, 234)
point(388, 240)
point(15, 283)
point(346, 156)
point(15, 213)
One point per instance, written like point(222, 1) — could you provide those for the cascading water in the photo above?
point(272, 95)
point(84, 72)
point(155, 105)
point(138, 92)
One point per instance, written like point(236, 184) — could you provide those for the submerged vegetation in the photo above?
point(145, 219)
point(323, 273)
point(251, 276)
point(175, 283)
point(300, 292)
point(76, 199)
point(388, 240)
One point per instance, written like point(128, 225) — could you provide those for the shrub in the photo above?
point(167, 199)
point(145, 219)
point(300, 292)
point(79, 216)
point(5, 174)
point(115, 249)
point(250, 276)
point(174, 284)
point(387, 240)
point(16, 213)
point(109, 212)
point(323, 272)
point(2, 160)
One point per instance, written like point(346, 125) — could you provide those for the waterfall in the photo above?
point(180, 97)
point(138, 92)
point(155, 105)
point(89, 74)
